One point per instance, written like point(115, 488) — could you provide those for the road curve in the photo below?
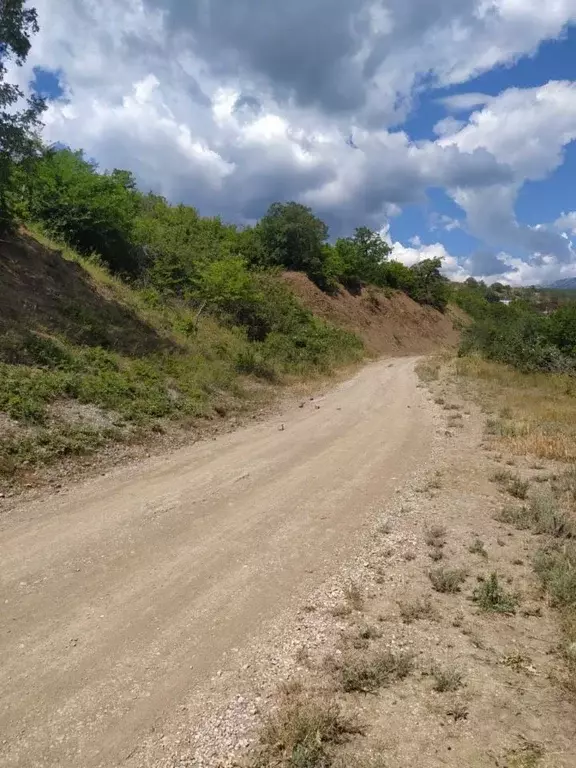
point(122, 595)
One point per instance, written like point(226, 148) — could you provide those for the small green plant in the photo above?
point(490, 596)
point(446, 680)
point(447, 580)
point(477, 548)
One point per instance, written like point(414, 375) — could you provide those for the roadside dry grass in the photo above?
point(531, 414)
point(303, 731)
point(536, 420)
point(461, 664)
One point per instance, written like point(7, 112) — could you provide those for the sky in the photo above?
point(446, 125)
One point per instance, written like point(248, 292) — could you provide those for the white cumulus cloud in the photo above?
point(230, 106)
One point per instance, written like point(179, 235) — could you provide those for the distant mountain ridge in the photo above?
point(566, 284)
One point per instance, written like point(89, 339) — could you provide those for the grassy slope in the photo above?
point(86, 359)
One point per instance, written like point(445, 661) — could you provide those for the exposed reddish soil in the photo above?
point(391, 326)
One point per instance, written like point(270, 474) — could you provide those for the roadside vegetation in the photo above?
point(518, 361)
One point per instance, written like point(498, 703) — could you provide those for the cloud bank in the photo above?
point(230, 106)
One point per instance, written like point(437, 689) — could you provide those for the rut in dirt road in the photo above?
point(128, 594)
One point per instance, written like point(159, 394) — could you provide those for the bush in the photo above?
point(367, 672)
point(446, 580)
point(490, 596)
point(556, 566)
point(301, 732)
point(519, 336)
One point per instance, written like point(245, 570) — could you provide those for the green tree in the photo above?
point(293, 237)
point(93, 212)
point(18, 139)
point(359, 260)
point(430, 286)
point(373, 252)
point(562, 328)
point(180, 244)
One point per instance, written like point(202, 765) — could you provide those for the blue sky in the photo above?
point(537, 201)
point(462, 115)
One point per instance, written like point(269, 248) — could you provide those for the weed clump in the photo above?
point(556, 567)
point(477, 548)
point(447, 580)
point(446, 680)
point(367, 672)
point(490, 596)
point(512, 483)
point(302, 732)
point(416, 610)
point(435, 536)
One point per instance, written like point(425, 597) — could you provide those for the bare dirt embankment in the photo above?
point(390, 324)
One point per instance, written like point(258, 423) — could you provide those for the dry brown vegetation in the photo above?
point(535, 413)
point(302, 731)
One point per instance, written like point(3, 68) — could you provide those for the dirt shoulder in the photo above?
point(413, 653)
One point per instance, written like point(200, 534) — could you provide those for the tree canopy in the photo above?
point(18, 125)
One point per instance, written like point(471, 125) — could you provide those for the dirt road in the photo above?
point(126, 594)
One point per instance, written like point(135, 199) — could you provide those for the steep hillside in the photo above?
point(387, 322)
point(87, 362)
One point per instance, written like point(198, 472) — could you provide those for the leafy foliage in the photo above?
point(18, 142)
point(293, 237)
point(201, 260)
point(490, 596)
point(92, 212)
point(521, 333)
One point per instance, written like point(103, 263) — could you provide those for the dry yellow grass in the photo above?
point(535, 413)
